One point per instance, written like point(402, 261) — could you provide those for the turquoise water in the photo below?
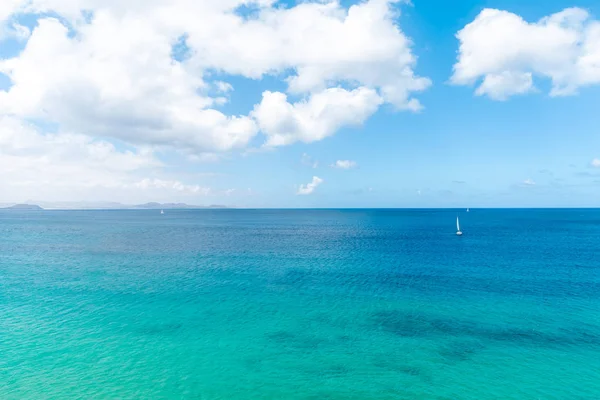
point(297, 304)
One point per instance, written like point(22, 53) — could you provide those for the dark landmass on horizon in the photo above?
point(24, 207)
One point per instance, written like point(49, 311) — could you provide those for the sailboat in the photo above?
point(162, 211)
point(467, 210)
point(458, 231)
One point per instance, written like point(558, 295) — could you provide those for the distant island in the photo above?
point(24, 207)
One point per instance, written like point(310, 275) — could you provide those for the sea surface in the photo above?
point(300, 304)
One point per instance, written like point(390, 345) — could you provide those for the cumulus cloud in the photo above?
point(505, 53)
point(156, 74)
point(117, 79)
point(595, 163)
point(528, 182)
point(344, 164)
point(315, 118)
point(309, 188)
point(107, 68)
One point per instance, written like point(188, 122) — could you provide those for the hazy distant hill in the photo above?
point(24, 207)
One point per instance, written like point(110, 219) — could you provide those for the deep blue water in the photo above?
point(300, 304)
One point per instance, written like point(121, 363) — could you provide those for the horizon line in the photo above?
point(219, 207)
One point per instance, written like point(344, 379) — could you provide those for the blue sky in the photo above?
point(70, 136)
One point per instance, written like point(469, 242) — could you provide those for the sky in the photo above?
point(266, 103)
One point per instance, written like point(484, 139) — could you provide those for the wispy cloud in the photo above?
point(174, 185)
point(529, 182)
point(205, 157)
point(223, 87)
point(344, 164)
point(595, 163)
point(309, 188)
point(309, 161)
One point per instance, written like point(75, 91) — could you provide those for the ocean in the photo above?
point(300, 304)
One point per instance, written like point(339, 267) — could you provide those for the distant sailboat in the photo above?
point(467, 210)
point(162, 211)
point(458, 232)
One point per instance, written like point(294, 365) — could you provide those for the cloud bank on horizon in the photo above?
point(101, 95)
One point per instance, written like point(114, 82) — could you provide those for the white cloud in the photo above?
point(376, 53)
point(14, 30)
point(507, 52)
point(204, 157)
point(7, 9)
point(154, 74)
point(309, 161)
point(223, 87)
point(115, 75)
point(63, 166)
point(29, 158)
point(174, 185)
point(309, 188)
point(528, 182)
point(505, 84)
point(595, 163)
point(315, 118)
point(117, 79)
point(344, 164)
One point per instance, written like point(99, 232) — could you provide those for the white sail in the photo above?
point(457, 225)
